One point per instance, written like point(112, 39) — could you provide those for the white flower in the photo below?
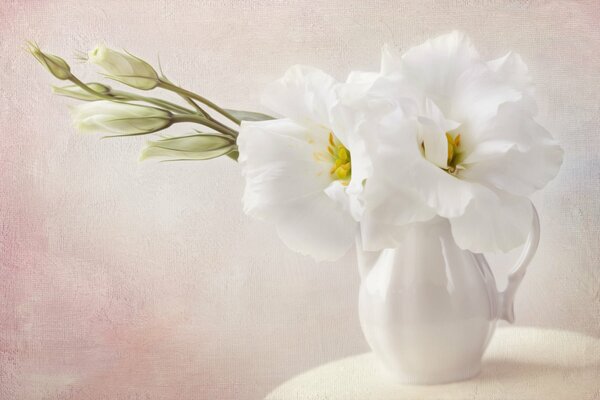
point(300, 168)
point(124, 68)
point(455, 137)
point(119, 118)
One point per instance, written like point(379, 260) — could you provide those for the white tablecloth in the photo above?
point(521, 363)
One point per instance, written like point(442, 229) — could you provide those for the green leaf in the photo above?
point(249, 115)
point(193, 147)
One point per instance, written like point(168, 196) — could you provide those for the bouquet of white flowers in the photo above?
point(436, 133)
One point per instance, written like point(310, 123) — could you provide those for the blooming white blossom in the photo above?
point(453, 136)
point(300, 169)
point(119, 118)
point(124, 67)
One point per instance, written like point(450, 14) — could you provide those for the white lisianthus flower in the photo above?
point(456, 138)
point(300, 169)
point(119, 118)
point(124, 67)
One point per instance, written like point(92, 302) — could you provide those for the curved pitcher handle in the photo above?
point(507, 297)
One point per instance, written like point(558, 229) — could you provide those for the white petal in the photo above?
point(388, 210)
point(362, 166)
point(512, 70)
point(433, 112)
point(515, 154)
point(493, 221)
point(435, 65)
point(445, 193)
point(477, 98)
point(304, 94)
point(434, 142)
point(362, 78)
point(433, 132)
point(318, 227)
point(348, 202)
point(279, 162)
point(391, 60)
point(347, 127)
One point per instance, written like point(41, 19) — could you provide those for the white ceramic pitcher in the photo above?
point(428, 309)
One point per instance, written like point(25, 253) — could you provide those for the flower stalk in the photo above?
point(186, 93)
point(198, 119)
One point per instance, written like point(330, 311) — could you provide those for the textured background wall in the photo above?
point(121, 280)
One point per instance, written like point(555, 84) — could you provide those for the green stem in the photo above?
point(187, 93)
point(152, 100)
point(88, 89)
point(199, 109)
point(202, 121)
point(118, 95)
point(208, 116)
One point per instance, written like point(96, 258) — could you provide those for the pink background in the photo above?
point(121, 280)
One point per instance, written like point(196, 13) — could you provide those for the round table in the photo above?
point(520, 363)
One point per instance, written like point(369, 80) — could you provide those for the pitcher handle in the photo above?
point(507, 297)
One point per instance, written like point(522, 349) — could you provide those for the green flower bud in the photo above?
point(124, 68)
point(194, 147)
point(56, 65)
point(76, 92)
point(120, 119)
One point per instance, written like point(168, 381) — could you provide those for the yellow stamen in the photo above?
point(343, 171)
point(454, 155)
point(450, 147)
point(341, 158)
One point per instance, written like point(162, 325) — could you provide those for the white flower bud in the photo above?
point(76, 92)
point(124, 68)
point(119, 118)
point(56, 65)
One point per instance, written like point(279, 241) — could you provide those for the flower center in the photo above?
point(340, 156)
point(454, 153)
